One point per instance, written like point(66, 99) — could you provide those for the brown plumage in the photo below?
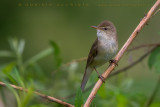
point(93, 52)
point(102, 50)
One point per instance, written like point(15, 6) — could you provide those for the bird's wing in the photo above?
point(93, 52)
point(88, 70)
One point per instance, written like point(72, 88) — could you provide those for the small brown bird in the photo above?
point(103, 49)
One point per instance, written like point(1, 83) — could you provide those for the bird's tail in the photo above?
point(86, 75)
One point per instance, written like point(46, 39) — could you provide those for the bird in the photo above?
point(103, 49)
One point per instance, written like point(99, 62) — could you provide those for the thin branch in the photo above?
point(156, 11)
point(39, 94)
point(143, 46)
point(121, 52)
point(71, 62)
point(132, 64)
point(75, 60)
point(120, 70)
point(151, 98)
point(85, 58)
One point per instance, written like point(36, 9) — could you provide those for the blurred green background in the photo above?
point(67, 23)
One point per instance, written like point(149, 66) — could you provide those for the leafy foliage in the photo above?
point(79, 98)
point(154, 59)
point(56, 53)
point(21, 73)
point(63, 80)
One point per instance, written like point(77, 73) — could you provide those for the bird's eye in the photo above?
point(105, 28)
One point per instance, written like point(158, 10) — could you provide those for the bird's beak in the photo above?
point(95, 27)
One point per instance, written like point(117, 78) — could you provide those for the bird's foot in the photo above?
point(102, 78)
point(113, 61)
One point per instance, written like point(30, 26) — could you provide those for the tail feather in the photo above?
point(86, 75)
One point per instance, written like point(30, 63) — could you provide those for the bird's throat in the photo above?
point(106, 42)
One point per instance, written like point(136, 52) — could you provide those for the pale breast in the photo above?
point(107, 48)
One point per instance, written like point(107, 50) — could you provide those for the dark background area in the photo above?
point(68, 24)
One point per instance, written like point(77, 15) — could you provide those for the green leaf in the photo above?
point(21, 46)
point(7, 70)
point(16, 45)
point(152, 57)
point(56, 53)
point(39, 105)
point(79, 98)
point(14, 92)
point(155, 104)
point(13, 44)
point(15, 74)
point(6, 54)
point(121, 100)
point(157, 63)
point(39, 56)
point(102, 91)
point(28, 97)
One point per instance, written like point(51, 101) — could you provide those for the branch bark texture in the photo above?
point(124, 69)
point(40, 94)
point(142, 23)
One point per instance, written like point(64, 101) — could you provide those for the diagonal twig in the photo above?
point(85, 58)
point(142, 23)
point(122, 69)
point(39, 94)
point(156, 11)
point(142, 46)
point(151, 98)
point(132, 64)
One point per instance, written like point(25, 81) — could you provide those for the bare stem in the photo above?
point(156, 11)
point(39, 94)
point(142, 23)
point(75, 60)
point(120, 70)
point(151, 98)
point(142, 46)
point(132, 64)
point(71, 62)
point(85, 58)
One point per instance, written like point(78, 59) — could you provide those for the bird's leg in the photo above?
point(100, 76)
point(113, 61)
